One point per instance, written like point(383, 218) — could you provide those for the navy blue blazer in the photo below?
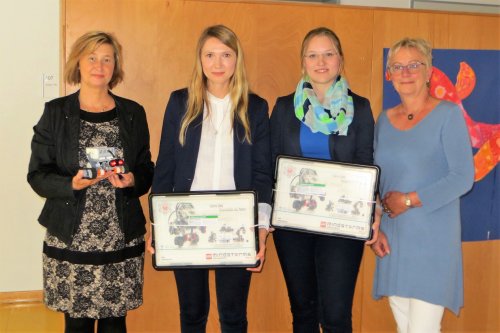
point(176, 164)
point(355, 147)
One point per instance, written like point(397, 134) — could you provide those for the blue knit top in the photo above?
point(433, 158)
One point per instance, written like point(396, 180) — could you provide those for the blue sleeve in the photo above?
point(364, 133)
point(261, 154)
point(276, 127)
point(376, 130)
point(163, 180)
point(460, 176)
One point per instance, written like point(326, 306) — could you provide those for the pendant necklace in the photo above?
point(412, 115)
point(221, 123)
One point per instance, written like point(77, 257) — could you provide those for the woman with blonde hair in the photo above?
point(216, 137)
point(322, 119)
point(93, 253)
point(423, 148)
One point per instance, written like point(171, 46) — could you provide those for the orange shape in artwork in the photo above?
point(487, 157)
point(484, 136)
point(466, 80)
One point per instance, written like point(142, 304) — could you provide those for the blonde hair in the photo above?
point(322, 31)
point(421, 45)
point(238, 85)
point(86, 44)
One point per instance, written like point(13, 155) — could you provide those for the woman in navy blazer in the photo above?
point(322, 119)
point(216, 137)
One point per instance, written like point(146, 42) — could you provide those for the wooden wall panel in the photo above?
point(159, 39)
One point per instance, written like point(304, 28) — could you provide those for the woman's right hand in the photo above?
point(149, 243)
point(79, 183)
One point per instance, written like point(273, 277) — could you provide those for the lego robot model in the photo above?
point(240, 235)
point(227, 234)
point(345, 206)
point(302, 190)
point(179, 226)
point(101, 160)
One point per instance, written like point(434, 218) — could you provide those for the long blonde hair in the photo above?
point(238, 85)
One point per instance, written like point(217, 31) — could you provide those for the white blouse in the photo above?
point(215, 164)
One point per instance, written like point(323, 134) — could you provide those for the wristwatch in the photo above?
point(407, 201)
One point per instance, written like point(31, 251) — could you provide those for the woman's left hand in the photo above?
point(394, 203)
point(381, 247)
point(122, 180)
point(261, 256)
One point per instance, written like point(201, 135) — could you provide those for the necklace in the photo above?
point(95, 107)
point(221, 122)
point(410, 116)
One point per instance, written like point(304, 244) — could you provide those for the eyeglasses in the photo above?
point(315, 56)
point(412, 68)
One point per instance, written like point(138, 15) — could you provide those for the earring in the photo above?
point(428, 84)
point(387, 76)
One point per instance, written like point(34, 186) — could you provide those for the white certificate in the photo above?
point(204, 229)
point(324, 197)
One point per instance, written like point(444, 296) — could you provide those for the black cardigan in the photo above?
point(54, 162)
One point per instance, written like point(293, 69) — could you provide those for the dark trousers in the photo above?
point(232, 286)
point(320, 274)
point(86, 325)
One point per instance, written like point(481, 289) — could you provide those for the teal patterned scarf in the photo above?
point(333, 116)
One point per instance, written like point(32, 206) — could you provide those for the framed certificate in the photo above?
point(324, 197)
point(204, 229)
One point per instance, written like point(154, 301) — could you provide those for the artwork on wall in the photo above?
point(471, 79)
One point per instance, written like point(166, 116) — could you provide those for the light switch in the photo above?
point(50, 88)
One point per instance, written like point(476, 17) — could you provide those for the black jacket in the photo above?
point(54, 162)
point(176, 164)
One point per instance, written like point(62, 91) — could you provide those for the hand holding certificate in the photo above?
point(209, 229)
point(324, 197)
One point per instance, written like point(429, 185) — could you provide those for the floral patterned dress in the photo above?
point(106, 289)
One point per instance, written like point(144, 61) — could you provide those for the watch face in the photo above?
point(408, 202)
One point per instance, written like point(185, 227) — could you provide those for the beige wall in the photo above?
point(30, 47)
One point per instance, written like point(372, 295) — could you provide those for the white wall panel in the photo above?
point(30, 47)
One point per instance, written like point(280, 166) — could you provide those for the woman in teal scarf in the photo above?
point(323, 119)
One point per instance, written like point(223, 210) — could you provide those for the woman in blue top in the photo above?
point(322, 119)
point(423, 148)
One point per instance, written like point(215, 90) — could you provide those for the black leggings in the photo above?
point(86, 325)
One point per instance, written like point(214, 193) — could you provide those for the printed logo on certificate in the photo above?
point(324, 197)
point(204, 229)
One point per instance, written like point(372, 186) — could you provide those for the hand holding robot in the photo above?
point(101, 160)
point(102, 163)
